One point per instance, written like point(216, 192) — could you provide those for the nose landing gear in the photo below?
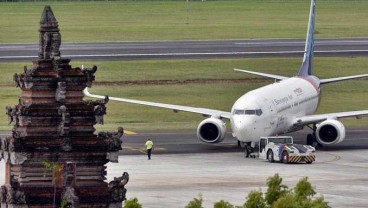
point(248, 148)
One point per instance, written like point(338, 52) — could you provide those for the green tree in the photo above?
point(275, 189)
point(304, 189)
point(223, 204)
point(255, 200)
point(300, 197)
point(286, 201)
point(319, 203)
point(132, 203)
point(196, 202)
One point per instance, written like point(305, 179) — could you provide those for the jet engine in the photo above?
point(211, 130)
point(330, 132)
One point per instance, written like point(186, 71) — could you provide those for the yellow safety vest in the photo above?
point(149, 145)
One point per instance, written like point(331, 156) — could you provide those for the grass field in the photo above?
point(170, 20)
point(337, 97)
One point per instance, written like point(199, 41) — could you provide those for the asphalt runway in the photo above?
point(190, 49)
point(185, 141)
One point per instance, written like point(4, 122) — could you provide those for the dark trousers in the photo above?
point(149, 153)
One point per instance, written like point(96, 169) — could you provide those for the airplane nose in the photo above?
point(242, 127)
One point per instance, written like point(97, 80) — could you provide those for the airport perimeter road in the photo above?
point(190, 49)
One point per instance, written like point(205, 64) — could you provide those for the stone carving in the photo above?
point(16, 134)
point(117, 189)
point(50, 38)
point(55, 44)
point(9, 113)
point(100, 111)
point(60, 91)
point(24, 103)
point(29, 71)
point(13, 114)
point(18, 157)
point(68, 174)
point(19, 80)
point(66, 146)
point(69, 198)
point(14, 195)
point(89, 72)
point(3, 194)
point(65, 120)
point(113, 139)
point(60, 71)
point(2, 151)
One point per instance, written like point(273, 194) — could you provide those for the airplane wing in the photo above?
point(326, 81)
point(175, 108)
point(305, 120)
point(273, 76)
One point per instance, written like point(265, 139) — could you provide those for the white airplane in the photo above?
point(278, 108)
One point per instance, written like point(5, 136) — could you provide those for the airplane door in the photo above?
point(262, 148)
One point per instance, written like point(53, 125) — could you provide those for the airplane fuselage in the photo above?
point(271, 110)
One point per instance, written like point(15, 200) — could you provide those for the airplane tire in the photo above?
point(270, 156)
point(285, 157)
point(247, 151)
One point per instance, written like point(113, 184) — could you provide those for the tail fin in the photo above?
point(306, 68)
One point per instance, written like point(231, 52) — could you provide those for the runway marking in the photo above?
point(129, 132)
point(335, 158)
point(188, 54)
point(301, 42)
point(142, 149)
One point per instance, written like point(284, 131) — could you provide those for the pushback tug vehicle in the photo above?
point(282, 149)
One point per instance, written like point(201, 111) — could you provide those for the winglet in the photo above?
point(306, 68)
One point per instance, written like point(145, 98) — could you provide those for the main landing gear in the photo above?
point(312, 138)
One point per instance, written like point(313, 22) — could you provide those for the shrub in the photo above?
point(196, 202)
point(132, 203)
point(223, 204)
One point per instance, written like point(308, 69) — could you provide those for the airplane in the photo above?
point(285, 106)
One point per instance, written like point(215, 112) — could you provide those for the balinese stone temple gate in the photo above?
point(53, 158)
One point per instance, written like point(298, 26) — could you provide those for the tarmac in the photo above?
point(172, 180)
point(339, 174)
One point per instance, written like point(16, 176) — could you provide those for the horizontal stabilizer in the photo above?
point(263, 74)
point(338, 79)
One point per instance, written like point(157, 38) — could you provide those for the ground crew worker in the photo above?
point(149, 147)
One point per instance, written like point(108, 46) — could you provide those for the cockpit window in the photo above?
point(239, 112)
point(257, 112)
